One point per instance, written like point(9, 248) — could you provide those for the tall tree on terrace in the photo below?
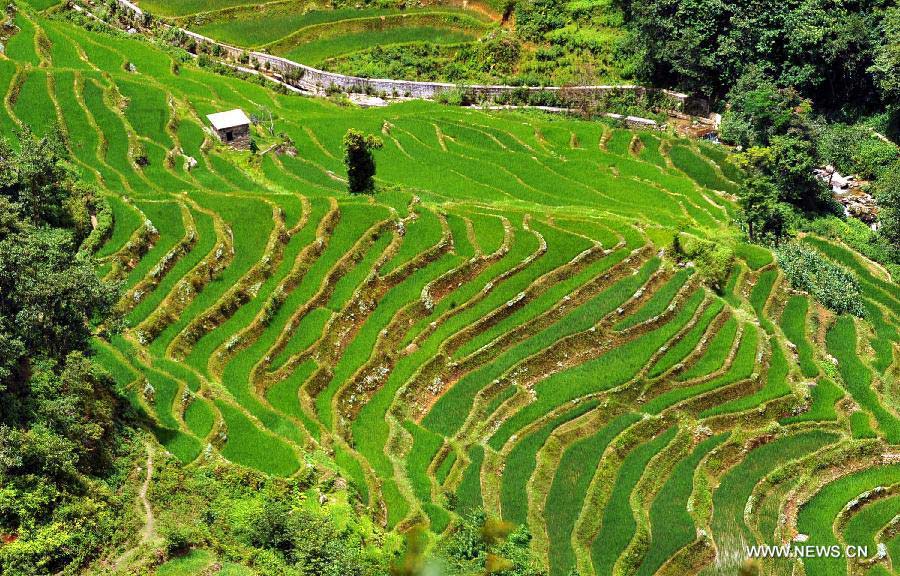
point(360, 161)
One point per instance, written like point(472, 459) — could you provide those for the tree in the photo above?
point(360, 161)
point(780, 160)
point(481, 545)
point(758, 110)
point(887, 194)
point(763, 217)
point(854, 149)
point(37, 177)
point(309, 541)
point(886, 66)
point(49, 295)
point(793, 159)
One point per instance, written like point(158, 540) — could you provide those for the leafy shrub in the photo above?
point(712, 259)
point(760, 110)
point(177, 541)
point(498, 53)
point(832, 285)
point(535, 18)
point(485, 545)
point(887, 193)
point(455, 97)
point(522, 96)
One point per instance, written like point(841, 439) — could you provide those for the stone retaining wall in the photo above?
point(317, 81)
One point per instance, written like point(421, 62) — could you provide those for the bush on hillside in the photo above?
point(458, 96)
point(713, 260)
point(60, 432)
point(497, 54)
point(807, 270)
point(759, 110)
point(482, 545)
point(535, 18)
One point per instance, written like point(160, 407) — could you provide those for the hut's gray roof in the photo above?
point(230, 119)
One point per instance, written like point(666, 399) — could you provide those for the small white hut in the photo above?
point(232, 127)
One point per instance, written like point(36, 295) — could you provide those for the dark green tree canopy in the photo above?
point(758, 110)
point(823, 48)
point(886, 65)
point(49, 295)
point(887, 194)
point(360, 161)
point(37, 177)
point(56, 407)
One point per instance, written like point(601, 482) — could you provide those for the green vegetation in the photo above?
point(521, 462)
point(824, 395)
point(672, 526)
point(817, 515)
point(841, 341)
point(714, 356)
point(61, 430)
point(565, 498)
point(360, 161)
point(713, 260)
point(831, 284)
point(794, 323)
point(699, 169)
point(618, 522)
point(759, 296)
point(732, 494)
point(535, 344)
point(688, 342)
point(658, 303)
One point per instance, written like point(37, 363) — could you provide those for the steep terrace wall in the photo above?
point(315, 80)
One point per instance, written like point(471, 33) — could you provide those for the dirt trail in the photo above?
point(148, 532)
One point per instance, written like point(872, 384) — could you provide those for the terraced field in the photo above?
point(311, 34)
point(499, 327)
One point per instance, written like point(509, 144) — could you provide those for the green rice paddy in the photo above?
point(312, 34)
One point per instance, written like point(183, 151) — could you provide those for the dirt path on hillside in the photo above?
point(148, 532)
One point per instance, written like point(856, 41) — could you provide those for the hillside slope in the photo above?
point(497, 328)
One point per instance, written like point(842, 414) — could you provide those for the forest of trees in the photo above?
point(59, 427)
point(801, 84)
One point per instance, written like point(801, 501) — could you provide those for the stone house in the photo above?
point(232, 128)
